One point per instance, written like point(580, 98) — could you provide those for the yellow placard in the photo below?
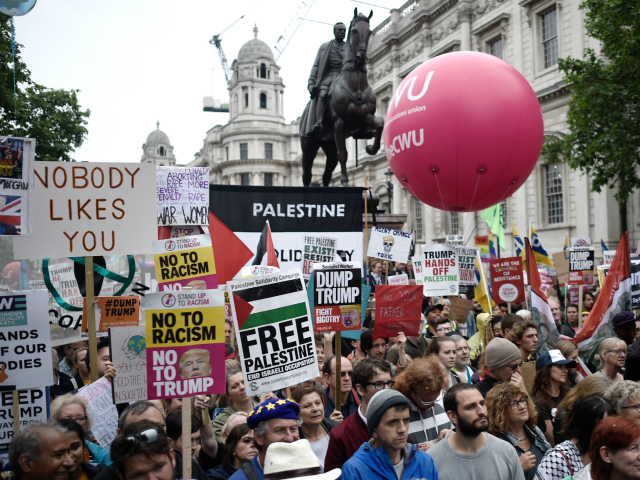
point(185, 326)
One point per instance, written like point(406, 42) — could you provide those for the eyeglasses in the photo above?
point(80, 419)
point(381, 385)
point(516, 403)
point(127, 444)
point(636, 406)
point(444, 329)
point(618, 352)
point(463, 349)
point(343, 374)
point(514, 367)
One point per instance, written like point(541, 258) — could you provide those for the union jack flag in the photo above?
point(11, 213)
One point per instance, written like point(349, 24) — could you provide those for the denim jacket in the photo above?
point(537, 436)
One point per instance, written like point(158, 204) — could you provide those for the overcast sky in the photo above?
point(138, 62)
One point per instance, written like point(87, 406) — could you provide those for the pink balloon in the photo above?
point(463, 131)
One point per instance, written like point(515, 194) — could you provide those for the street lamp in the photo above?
point(389, 175)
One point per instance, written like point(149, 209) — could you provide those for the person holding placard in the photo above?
point(237, 393)
point(349, 399)
point(417, 343)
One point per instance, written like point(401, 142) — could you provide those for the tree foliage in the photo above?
point(604, 112)
point(53, 117)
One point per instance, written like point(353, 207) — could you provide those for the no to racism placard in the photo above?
point(398, 309)
point(128, 347)
point(389, 244)
point(317, 250)
point(112, 312)
point(185, 343)
point(185, 263)
point(25, 344)
point(275, 332)
point(183, 195)
point(337, 296)
point(440, 271)
point(34, 410)
point(507, 280)
point(581, 266)
point(91, 209)
point(17, 157)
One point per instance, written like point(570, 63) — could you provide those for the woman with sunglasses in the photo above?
point(81, 469)
point(239, 448)
point(612, 354)
point(512, 417)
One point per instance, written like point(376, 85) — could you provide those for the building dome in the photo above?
point(254, 49)
point(157, 137)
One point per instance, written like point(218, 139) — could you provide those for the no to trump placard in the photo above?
point(185, 343)
point(507, 280)
point(389, 244)
point(440, 270)
point(398, 309)
point(275, 332)
point(185, 263)
point(337, 296)
point(581, 266)
point(91, 209)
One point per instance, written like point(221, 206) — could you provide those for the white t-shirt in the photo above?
point(399, 468)
point(320, 448)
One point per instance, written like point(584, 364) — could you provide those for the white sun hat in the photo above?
point(295, 460)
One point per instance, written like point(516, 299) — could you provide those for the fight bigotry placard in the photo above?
point(440, 270)
point(337, 296)
point(185, 343)
point(398, 309)
point(275, 331)
point(317, 250)
point(185, 263)
point(581, 266)
point(507, 280)
point(389, 244)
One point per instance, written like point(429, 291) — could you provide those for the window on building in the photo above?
point(268, 74)
point(505, 212)
point(244, 179)
point(258, 72)
point(226, 152)
point(268, 179)
point(268, 150)
point(263, 70)
point(418, 218)
point(244, 151)
point(549, 24)
point(454, 223)
point(263, 100)
point(246, 100)
point(553, 193)
point(495, 47)
point(161, 151)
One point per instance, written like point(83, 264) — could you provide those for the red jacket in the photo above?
point(345, 440)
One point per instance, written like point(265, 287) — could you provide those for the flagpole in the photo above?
point(484, 280)
point(366, 229)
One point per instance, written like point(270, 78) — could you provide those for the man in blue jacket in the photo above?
point(388, 455)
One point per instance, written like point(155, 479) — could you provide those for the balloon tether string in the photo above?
point(435, 174)
point(474, 192)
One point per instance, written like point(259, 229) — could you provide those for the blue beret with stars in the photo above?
point(273, 408)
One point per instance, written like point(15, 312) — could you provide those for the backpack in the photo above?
point(250, 471)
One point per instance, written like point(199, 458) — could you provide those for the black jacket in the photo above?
point(68, 387)
point(111, 473)
point(326, 423)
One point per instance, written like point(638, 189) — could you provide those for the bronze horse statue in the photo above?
point(350, 111)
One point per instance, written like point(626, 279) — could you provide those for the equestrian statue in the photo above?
point(342, 103)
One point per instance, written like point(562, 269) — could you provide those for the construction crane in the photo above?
point(210, 104)
point(292, 27)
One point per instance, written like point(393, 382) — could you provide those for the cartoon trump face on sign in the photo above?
point(195, 363)
point(387, 243)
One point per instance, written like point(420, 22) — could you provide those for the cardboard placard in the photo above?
point(573, 295)
point(460, 308)
point(561, 262)
point(183, 195)
point(185, 343)
point(607, 256)
point(581, 266)
point(34, 410)
point(389, 244)
point(317, 250)
point(528, 375)
point(467, 265)
point(418, 268)
point(402, 279)
point(507, 280)
point(104, 412)
point(337, 296)
point(25, 341)
point(91, 209)
point(17, 159)
point(185, 263)
point(129, 356)
point(455, 240)
point(275, 307)
point(113, 312)
point(440, 271)
point(398, 309)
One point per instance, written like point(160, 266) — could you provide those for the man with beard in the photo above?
point(470, 453)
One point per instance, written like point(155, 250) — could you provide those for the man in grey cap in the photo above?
point(387, 454)
point(503, 359)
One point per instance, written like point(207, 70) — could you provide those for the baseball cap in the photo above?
point(433, 307)
point(553, 357)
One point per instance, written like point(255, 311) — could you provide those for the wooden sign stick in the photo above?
point(386, 274)
point(186, 438)
point(91, 318)
point(366, 228)
point(579, 305)
point(16, 412)
point(338, 365)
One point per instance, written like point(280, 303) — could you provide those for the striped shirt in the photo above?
point(425, 427)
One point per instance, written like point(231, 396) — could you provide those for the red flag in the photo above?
point(243, 309)
point(582, 368)
point(272, 259)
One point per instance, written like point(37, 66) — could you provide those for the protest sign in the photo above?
point(113, 312)
point(91, 209)
point(398, 309)
point(334, 212)
point(17, 158)
point(185, 263)
point(182, 231)
point(128, 348)
point(482, 244)
point(103, 411)
point(183, 195)
point(507, 282)
point(275, 332)
point(602, 273)
point(337, 297)
point(255, 270)
point(389, 244)
point(635, 284)
point(467, 269)
point(440, 271)
point(561, 262)
point(402, 279)
point(185, 343)
point(317, 250)
point(581, 266)
point(25, 342)
point(455, 240)
point(34, 410)
point(607, 256)
point(580, 242)
point(418, 269)
point(573, 295)
point(460, 308)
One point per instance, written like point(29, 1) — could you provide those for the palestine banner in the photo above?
point(293, 212)
point(614, 297)
point(275, 332)
point(337, 296)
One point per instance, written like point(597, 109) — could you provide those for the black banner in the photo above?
point(635, 286)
